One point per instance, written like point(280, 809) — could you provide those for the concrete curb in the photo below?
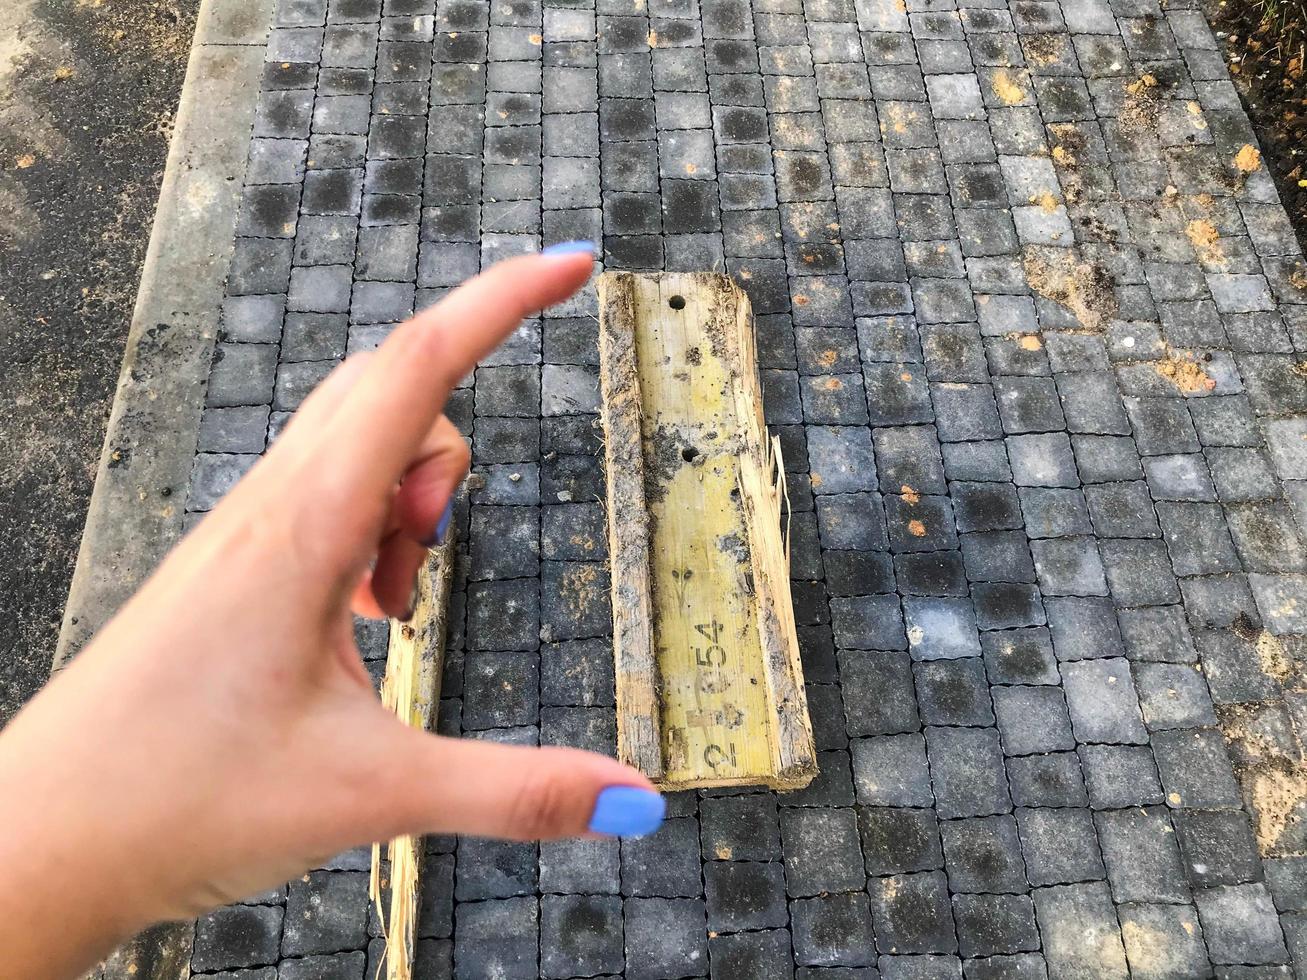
point(135, 514)
point(136, 508)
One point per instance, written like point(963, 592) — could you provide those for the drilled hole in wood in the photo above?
point(677, 302)
point(689, 453)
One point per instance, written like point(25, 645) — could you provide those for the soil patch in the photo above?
point(87, 95)
point(1265, 45)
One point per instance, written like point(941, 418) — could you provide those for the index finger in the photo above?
point(394, 404)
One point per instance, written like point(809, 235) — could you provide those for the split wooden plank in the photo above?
point(411, 688)
point(709, 683)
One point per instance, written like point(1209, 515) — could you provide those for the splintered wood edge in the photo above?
point(415, 659)
point(794, 758)
point(639, 719)
point(794, 753)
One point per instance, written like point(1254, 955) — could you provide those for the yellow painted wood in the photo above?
point(714, 703)
point(725, 668)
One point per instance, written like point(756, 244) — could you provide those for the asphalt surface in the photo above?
point(87, 95)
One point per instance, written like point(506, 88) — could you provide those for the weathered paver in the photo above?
point(1033, 342)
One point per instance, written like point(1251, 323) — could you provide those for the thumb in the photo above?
point(521, 793)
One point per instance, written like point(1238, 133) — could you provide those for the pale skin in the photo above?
point(221, 735)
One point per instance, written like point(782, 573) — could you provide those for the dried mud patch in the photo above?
point(1273, 777)
point(1082, 286)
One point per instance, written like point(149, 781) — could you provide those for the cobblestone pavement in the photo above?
point(1032, 328)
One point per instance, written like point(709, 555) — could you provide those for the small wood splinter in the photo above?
point(709, 683)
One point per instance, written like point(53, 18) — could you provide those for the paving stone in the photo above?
point(751, 955)
point(892, 771)
point(1218, 847)
point(832, 930)
point(976, 461)
point(1173, 696)
point(1023, 966)
point(489, 868)
point(919, 523)
point(1080, 931)
point(940, 628)
point(1195, 769)
point(967, 772)
point(833, 785)
point(1138, 572)
point(1054, 779)
point(826, 711)
point(879, 697)
point(1143, 861)
point(822, 851)
point(842, 459)
point(998, 556)
point(983, 855)
point(953, 692)
point(1105, 459)
point(1120, 776)
point(912, 915)
point(1157, 633)
point(1042, 460)
point(497, 938)
point(1280, 601)
point(1287, 880)
point(237, 936)
point(665, 864)
point(745, 895)
point(985, 506)
point(1239, 924)
point(500, 691)
point(1069, 566)
point(242, 374)
point(326, 912)
point(575, 866)
point(1102, 702)
point(1050, 512)
point(930, 573)
point(1059, 846)
point(1163, 940)
point(868, 623)
point(1032, 720)
point(897, 840)
point(1021, 656)
point(504, 615)
point(580, 935)
point(340, 966)
point(994, 924)
point(1233, 668)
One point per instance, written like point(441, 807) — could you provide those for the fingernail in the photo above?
point(442, 526)
point(569, 248)
point(627, 811)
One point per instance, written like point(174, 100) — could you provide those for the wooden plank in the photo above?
point(709, 683)
point(411, 688)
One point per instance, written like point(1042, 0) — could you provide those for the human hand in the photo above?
point(221, 734)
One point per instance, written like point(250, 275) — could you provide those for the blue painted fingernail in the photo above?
point(627, 811)
point(569, 248)
point(442, 526)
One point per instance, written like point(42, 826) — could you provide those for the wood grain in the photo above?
point(415, 660)
point(703, 621)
